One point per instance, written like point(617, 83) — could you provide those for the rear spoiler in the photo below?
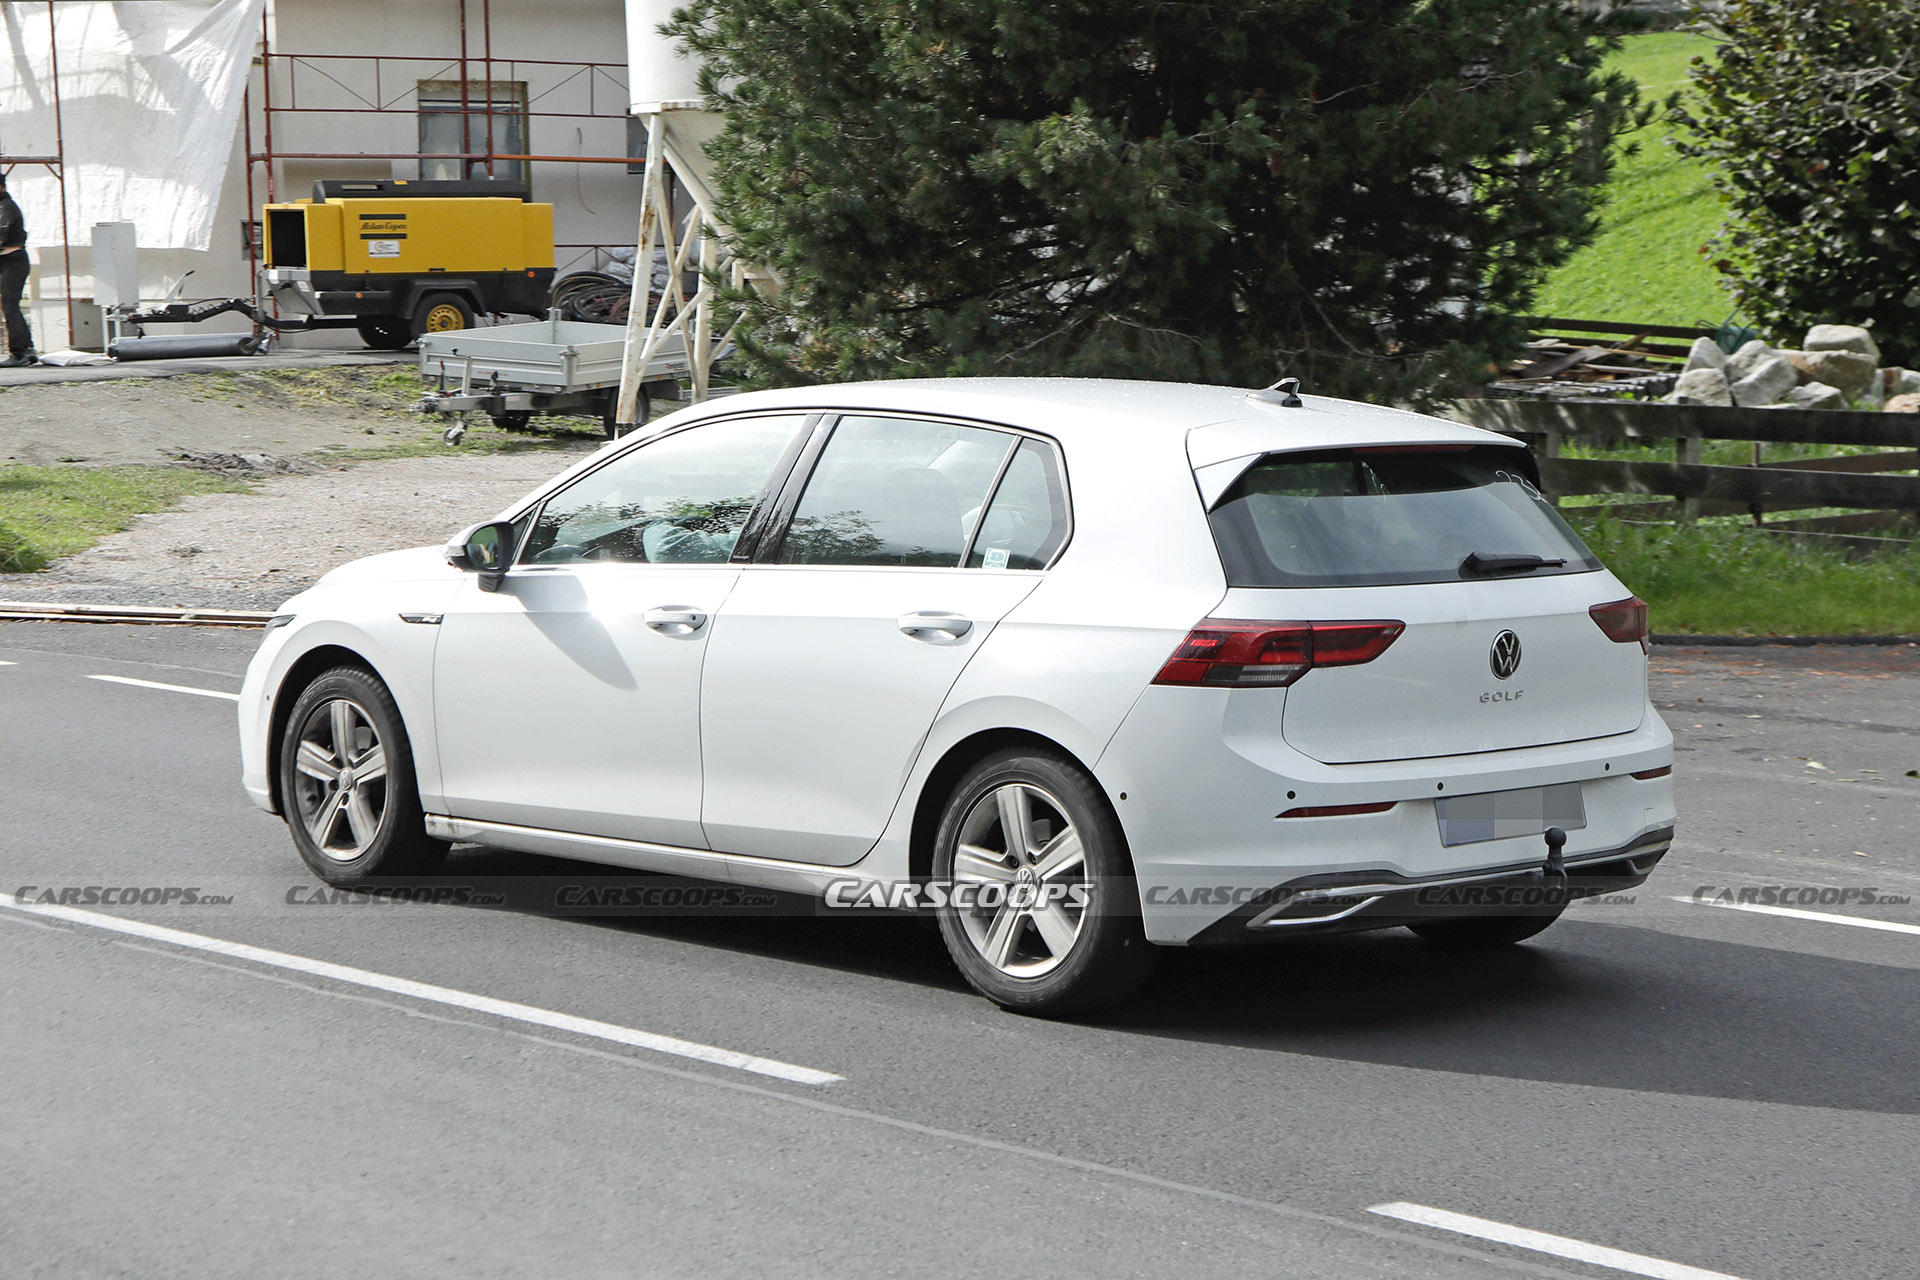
point(1222, 452)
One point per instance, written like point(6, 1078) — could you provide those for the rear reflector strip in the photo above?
point(1337, 810)
point(1647, 775)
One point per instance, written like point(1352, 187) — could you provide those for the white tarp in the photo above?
point(150, 94)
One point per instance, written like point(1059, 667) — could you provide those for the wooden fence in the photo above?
point(1880, 492)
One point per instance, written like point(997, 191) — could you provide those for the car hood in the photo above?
point(416, 564)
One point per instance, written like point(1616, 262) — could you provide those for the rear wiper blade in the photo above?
point(1477, 563)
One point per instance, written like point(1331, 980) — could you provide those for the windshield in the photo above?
point(1366, 517)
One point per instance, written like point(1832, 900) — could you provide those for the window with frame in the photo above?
point(897, 492)
point(454, 123)
point(682, 499)
point(1027, 521)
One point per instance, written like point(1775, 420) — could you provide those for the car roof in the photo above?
point(1066, 407)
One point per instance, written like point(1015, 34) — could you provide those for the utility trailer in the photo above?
point(514, 372)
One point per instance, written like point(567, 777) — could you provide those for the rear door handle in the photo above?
point(935, 626)
point(675, 620)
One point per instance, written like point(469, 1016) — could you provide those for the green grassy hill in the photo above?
point(1646, 264)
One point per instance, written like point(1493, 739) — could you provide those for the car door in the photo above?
point(569, 698)
point(836, 649)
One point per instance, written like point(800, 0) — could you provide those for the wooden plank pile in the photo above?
point(1585, 359)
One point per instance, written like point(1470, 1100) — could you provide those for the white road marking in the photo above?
point(1794, 913)
point(170, 688)
point(1540, 1242)
point(431, 993)
point(4, 663)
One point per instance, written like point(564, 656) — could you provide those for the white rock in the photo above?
point(1906, 382)
point(1749, 357)
point(1706, 354)
point(1798, 359)
point(1771, 378)
point(1702, 386)
point(1843, 337)
point(1817, 395)
point(1848, 370)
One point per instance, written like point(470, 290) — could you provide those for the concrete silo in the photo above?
point(677, 233)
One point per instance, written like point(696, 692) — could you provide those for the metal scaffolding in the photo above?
point(391, 90)
point(56, 164)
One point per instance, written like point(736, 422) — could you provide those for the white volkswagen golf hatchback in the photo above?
point(1085, 668)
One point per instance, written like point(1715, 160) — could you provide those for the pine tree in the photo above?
point(1360, 193)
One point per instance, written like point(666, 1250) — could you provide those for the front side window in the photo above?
point(680, 500)
point(1376, 517)
point(896, 492)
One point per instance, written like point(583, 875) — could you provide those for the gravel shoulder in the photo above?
point(309, 510)
point(253, 550)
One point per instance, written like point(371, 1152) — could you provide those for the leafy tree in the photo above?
point(1356, 192)
point(1810, 109)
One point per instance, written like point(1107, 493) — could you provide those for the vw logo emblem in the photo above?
point(1505, 656)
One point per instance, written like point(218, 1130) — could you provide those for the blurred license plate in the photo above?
point(1497, 815)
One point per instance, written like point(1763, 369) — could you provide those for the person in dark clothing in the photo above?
point(14, 268)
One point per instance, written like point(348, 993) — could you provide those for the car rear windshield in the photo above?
point(1378, 517)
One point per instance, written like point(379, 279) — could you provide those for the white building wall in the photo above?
point(594, 204)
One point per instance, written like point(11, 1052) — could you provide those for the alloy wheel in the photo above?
point(340, 776)
point(1018, 837)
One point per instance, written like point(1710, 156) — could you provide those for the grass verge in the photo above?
point(49, 512)
point(1646, 264)
point(1716, 580)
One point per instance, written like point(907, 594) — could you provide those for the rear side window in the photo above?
point(1361, 518)
point(895, 492)
point(1026, 523)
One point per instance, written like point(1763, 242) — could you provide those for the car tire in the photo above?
point(442, 313)
point(1049, 958)
point(385, 333)
point(353, 809)
point(1484, 933)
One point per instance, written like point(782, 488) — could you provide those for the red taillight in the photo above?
point(1236, 654)
point(1648, 775)
point(1337, 810)
point(1624, 621)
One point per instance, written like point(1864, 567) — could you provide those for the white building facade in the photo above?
point(259, 99)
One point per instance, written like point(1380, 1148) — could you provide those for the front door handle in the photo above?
point(675, 620)
point(935, 626)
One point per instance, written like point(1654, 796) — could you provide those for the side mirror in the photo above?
point(485, 549)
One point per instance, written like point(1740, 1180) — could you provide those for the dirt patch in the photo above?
point(283, 412)
point(301, 436)
point(253, 550)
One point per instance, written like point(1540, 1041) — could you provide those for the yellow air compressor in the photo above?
point(398, 259)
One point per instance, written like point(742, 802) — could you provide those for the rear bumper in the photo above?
point(1201, 778)
point(1348, 903)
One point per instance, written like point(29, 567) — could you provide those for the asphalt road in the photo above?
point(1729, 1090)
